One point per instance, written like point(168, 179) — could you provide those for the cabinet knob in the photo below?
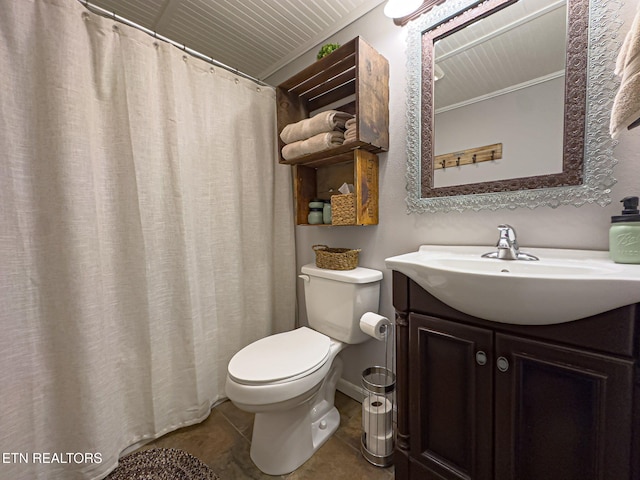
point(481, 357)
point(503, 364)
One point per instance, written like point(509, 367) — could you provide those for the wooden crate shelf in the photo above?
point(324, 181)
point(352, 79)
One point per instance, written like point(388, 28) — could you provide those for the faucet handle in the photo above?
point(507, 230)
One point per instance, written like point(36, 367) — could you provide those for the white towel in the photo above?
point(319, 123)
point(317, 143)
point(626, 105)
point(350, 135)
point(351, 130)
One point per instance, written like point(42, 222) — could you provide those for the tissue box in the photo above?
point(343, 209)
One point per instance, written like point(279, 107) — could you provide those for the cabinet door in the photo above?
point(561, 413)
point(450, 398)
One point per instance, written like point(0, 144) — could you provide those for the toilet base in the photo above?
point(282, 441)
point(289, 443)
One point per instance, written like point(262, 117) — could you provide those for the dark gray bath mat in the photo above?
point(161, 464)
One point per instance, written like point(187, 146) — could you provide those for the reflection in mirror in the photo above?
point(509, 126)
point(500, 81)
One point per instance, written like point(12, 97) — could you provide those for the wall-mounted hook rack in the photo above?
point(468, 157)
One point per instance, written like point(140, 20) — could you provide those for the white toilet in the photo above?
point(289, 379)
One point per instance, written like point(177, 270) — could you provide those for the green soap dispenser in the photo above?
point(624, 235)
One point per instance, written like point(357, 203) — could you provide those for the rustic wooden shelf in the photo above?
point(352, 79)
point(323, 182)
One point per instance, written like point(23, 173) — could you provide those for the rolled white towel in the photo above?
point(350, 123)
point(350, 136)
point(319, 123)
point(317, 143)
point(350, 132)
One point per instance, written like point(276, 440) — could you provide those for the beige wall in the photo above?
point(585, 227)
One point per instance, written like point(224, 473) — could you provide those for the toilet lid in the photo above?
point(281, 356)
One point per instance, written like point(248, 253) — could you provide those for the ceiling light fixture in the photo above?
point(401, 8)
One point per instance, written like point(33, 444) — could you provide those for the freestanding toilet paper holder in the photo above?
point(379, 384)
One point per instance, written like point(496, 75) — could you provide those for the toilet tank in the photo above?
point(336, 299)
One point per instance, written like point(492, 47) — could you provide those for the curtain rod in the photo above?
point(106, 13)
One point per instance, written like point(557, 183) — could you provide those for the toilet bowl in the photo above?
point(289, 379)
point(294, 415)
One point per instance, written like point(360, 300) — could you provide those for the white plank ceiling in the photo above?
point(256, 37)
point(518, 45)
point(522, 44)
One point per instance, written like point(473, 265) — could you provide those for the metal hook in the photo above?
point(493, 153)
point(474, 158)
point(458, 162)
point(444, 164)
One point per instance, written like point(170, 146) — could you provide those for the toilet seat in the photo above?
point(279, 358)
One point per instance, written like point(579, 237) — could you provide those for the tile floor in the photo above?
point(223, 440)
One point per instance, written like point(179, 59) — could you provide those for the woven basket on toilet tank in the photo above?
point(336, 258)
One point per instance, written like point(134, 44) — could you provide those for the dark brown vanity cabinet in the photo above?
point(479, 400)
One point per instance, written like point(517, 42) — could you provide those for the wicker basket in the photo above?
point(343, 209)
point(336, 258)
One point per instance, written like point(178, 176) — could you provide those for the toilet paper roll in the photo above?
point(377, 416)
point(381, 445)
point(375, 325)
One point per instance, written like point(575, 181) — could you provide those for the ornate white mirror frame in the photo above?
point(598, 161)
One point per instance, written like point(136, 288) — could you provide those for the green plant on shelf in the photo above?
point(327, 49)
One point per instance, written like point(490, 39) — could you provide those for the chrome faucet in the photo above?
point(507, 243)
point(507, 246)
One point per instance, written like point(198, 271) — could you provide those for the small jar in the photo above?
point(326, 213)
point(624, 242)
point(624, 234)
point(315, 212)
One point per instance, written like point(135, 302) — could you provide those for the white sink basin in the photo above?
point(564, 285)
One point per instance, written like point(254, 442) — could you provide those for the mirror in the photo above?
point(487, 134)
point(508, 71)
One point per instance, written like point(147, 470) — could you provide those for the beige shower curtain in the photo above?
point(145, 236)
